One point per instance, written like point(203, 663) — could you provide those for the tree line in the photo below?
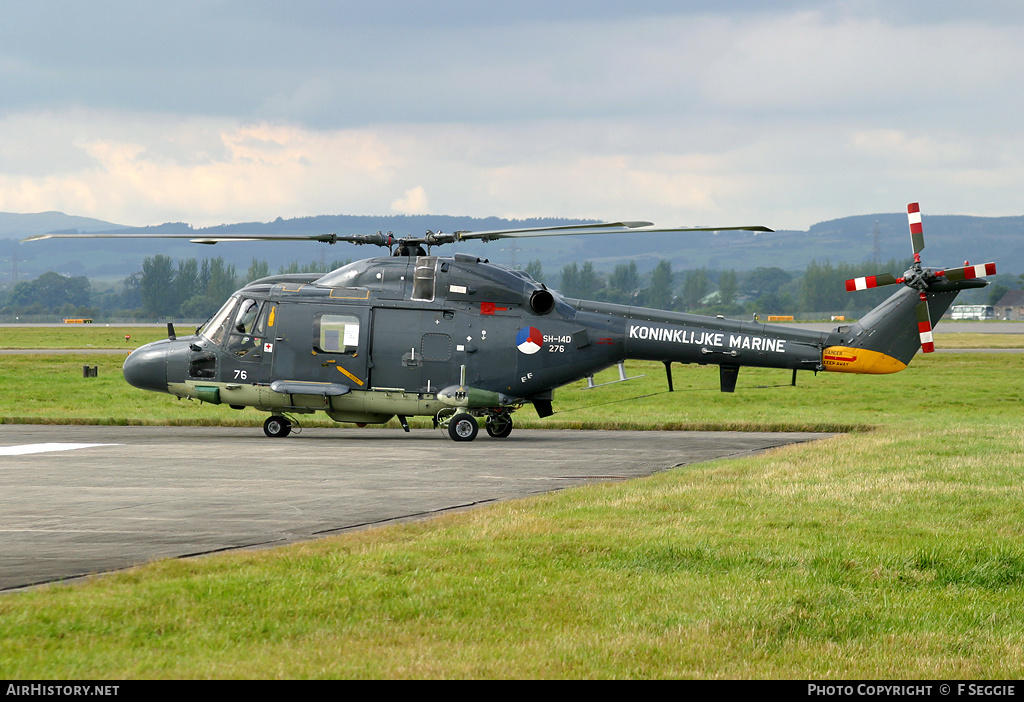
point(820, 288)
point(194, 289)
point(187, 288)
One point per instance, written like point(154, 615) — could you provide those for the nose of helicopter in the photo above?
point(146, 367)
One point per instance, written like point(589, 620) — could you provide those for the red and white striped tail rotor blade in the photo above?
point(916, 228)
point(924, 325)
point(870, 281)
point(968, 272)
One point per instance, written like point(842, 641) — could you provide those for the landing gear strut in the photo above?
point(463, 425)
point(499, 425)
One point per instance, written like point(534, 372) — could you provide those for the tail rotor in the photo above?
point(922, 279)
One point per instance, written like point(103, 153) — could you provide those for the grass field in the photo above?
point(82, 336)
point(893, 551)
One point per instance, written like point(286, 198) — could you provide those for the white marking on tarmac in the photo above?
point(44, 448)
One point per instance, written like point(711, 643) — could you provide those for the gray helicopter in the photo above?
point(461, 340)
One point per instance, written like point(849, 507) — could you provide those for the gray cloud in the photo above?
point(213, 111)
point(333, 64)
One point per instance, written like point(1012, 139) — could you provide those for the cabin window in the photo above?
point(336, 333)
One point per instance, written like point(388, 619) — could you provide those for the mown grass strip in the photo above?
point(81, 336)
point(852, 558)
point(42, 388)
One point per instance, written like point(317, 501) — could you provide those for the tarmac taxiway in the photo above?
point(81, 500)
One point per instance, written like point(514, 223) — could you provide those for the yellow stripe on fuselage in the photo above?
point(843, 359)
point(349, 375)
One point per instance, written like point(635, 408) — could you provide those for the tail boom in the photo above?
point(884, 341)
point(676, 337)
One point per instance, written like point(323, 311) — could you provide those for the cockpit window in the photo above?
point(246, 316)
point(245, 341)
point(215, 329)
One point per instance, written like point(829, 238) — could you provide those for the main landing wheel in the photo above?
point(277, 426)
point(463, 427)
point(499, 426)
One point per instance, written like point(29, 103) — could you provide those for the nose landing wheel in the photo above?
point(463, 427)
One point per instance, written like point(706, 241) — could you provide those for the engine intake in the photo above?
point(542, 301)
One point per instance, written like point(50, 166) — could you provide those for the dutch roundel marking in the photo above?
point(529, 340)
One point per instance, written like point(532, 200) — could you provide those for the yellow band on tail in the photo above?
point(843, 359)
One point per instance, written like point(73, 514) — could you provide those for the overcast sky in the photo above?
point(712, 112)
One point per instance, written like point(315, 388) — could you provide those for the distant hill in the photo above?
point(21, 225)
point(950, 239)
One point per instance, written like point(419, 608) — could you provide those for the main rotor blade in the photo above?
point(430, 238)
point(967, 272)
point(748, 228)
point(554, 228)
point(916, 228)
point(39, 237)
point(378, 238)
point(871, 281)
point(584, 229)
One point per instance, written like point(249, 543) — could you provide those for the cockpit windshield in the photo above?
point(216, 329)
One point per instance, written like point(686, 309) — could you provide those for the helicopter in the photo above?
point(464, 341)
